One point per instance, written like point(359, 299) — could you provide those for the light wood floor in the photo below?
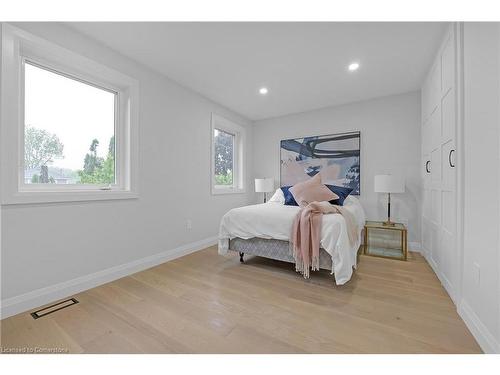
point(205, 303)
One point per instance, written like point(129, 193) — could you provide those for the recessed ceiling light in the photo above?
point(263, 90)
point(353, 66)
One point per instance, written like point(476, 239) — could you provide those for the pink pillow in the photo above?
point(312, 191)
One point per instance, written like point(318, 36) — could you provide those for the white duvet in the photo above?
point(273, 220)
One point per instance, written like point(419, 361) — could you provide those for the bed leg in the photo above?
point(241, 257)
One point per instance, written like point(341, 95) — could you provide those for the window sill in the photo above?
point(223, 191)
point(28, 197)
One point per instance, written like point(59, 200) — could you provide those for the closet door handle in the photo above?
point(427, 169)
point(449, 159)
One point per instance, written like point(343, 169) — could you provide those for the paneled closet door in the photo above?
point(426, 168)
point(426, 198)
point(448, 160)
point(433, 140)
point(438, 152)
point(435, 188)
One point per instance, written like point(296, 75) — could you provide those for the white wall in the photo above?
point(47, 244)
point(481, 290)
point(390, 143)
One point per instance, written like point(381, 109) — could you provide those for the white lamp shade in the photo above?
point(264, 185)
point(386, 183)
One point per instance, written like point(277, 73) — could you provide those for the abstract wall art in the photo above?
point(337, 157)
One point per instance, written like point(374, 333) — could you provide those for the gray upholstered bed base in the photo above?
point(273, 249)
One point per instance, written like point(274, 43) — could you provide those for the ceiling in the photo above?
point(304, 65)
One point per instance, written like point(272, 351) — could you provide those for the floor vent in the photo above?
point(53, 308)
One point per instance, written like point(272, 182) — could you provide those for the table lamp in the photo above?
point(264, 185)
point(386, 183)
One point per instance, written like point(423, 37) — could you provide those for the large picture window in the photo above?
point(227, 156)
point(69, 124)
point(69, 130)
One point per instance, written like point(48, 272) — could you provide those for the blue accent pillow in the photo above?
point(289, 199)
point(342, 192)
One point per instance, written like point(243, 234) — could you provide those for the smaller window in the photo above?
point(224, 160)
point(227, 156)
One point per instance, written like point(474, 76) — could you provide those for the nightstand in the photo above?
point(386, 241)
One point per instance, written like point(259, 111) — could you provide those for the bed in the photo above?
point(264, 230)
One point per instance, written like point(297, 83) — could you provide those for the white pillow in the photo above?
point(278, 197)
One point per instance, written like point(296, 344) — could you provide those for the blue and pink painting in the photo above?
point(336, 157)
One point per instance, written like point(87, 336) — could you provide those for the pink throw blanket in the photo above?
point(306, 234)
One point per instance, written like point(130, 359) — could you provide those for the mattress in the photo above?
point(274, 249)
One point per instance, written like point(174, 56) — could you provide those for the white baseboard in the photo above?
point(21, 303)
point(485, 339)
point(442, 278)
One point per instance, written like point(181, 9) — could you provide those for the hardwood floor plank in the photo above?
point(205, 303)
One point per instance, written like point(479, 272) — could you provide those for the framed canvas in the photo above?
point(337, 157)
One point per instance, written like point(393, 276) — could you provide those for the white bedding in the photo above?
point(273, 220)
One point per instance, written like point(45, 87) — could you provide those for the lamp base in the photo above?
point(388, 222)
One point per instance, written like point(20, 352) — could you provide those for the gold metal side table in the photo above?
point(386, 241)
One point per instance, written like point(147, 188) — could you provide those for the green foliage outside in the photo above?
point(41, 148)
point(98, 170)
point(223, 158)
point(224, 179)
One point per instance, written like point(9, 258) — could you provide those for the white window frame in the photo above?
point(19, 47)
point(228, 126)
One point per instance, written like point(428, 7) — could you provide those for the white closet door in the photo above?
point(434, 134)
point(438, 158)
point(427, 109)
point(435, 188)
point(448, 178)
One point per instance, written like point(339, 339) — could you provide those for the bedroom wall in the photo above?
point(480, 297)
point(47, 249)
point(390, 143)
